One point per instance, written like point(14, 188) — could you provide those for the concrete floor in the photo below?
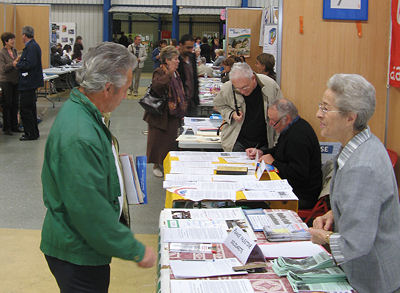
point(22, 210)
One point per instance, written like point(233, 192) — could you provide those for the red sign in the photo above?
point(394, 72)
point(165, 35)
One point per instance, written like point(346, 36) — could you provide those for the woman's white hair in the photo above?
point(105, 63)
point(354, 94)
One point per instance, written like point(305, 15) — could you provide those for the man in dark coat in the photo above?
point(188, 72)
point(30, 78)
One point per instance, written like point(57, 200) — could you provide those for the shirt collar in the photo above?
point(291, 123)
point(351, 146)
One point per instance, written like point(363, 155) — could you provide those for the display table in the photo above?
point(260, 282)
point(172, 199)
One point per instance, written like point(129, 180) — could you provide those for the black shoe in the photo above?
point(17, 130)
point(7, 132)
point(25, 137)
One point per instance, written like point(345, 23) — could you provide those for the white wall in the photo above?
point(88, 19)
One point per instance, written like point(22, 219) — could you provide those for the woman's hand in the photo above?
point(324, 222)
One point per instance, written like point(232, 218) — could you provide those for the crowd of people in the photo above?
point(87, 216)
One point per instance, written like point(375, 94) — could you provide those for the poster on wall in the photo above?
point(394, 69)
point(63, 33)
point(239, 41)
point(271, 40)
point(269, 16)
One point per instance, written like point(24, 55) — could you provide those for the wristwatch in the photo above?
point(327, 235)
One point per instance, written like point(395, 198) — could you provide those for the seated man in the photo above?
point(297, 154)
point(203, 69)
point(243, 102)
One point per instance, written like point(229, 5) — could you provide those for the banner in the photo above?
point(394, 72)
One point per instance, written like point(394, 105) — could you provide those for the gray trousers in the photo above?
point(136, 78)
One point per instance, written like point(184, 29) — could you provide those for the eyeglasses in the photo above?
point(241, 89)
point(324, 109)
point(277, 122)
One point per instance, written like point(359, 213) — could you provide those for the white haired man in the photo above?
point(83, 189)
point(243, 102)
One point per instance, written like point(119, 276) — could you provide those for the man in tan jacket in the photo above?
point(243, 103)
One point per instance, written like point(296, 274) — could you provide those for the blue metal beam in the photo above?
point(175, 21)
point(106, 20)
point(245, 3)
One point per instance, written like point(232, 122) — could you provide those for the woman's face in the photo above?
point(333, 124)
point(260, 68)
point(10, 43)
point(172, 64)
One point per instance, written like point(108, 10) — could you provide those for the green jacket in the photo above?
point(81, 189)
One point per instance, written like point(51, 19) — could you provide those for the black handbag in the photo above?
point(153, 103)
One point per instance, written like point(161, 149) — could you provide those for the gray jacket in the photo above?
point(142, 53)
point(224, 104)
point(366, 210)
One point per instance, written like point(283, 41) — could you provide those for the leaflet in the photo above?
point(276, 185)
point(204, 268)
point(236, 186)
point(234, 178)
point(211, 286)
point(188, 178)
point(298, 249)
point(261, 194)
point(201, 194)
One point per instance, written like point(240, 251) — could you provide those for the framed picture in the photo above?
point(346, 9)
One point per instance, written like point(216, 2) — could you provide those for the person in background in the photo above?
point(296, 155)
point(203, 69)
point(30, 78)
point(227, 66)
point(67, 52)
point(205, 49)
point(215, 45)
point(139, 50)
point(174, 43)
point(9, 83)
point(83, 189)
point(56, 59)
point(362, 228)
point(78, 48)
point(155, 55)
point(220, 57)
point(123, 40)
point(197, 52)
point(265, 64)
point(197, 42)
point(59, 48)
point(243, 103)
point(188, 72)
point(163, 129)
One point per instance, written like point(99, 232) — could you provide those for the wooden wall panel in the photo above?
point(2, 18)
point(247, 18)
point(9, 21)
point(328, 47)
point(37, 16)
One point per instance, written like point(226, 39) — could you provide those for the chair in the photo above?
point(393, 156)
point(322, 206)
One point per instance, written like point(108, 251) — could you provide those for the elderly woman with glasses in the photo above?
point(362, 229)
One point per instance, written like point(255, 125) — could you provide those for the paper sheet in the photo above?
point(270, 195)
point(211, 286)
point(204, 268)
point(298, 249)
point(201, 194)
point(267, 185)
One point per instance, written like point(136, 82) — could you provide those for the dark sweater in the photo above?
point(297, 156)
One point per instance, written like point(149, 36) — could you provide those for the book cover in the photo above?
point(141, 167)
point(129, 183)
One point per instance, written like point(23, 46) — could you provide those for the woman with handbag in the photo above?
point(163, 128)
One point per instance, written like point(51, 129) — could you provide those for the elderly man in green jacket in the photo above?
point(243, 103)
point(83, 189)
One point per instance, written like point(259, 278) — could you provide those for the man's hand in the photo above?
point(324, 222)
point(252, 153)
point(149, 259)
point(268, 159)
point(237, 117)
